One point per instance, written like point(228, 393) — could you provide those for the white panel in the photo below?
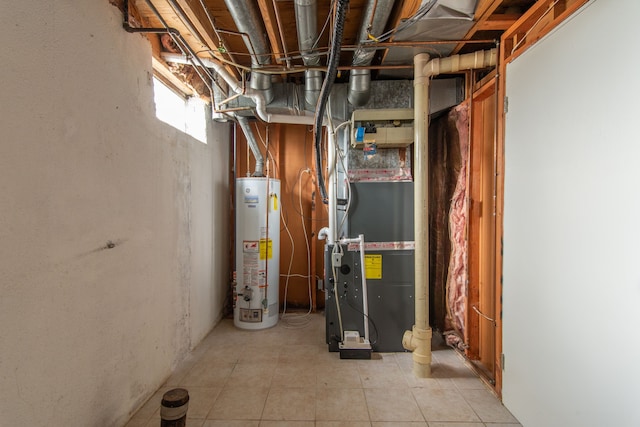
point(572, 224)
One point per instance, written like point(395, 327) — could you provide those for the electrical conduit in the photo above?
point(418, 340)
point(325, 91)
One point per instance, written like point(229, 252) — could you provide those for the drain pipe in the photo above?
point(375, 17)
point(306, 23)
point(253, 145)
point(247, 18)
point(418, 340)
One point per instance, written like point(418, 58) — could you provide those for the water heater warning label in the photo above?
point(373, 266)
point(266, 251)
point(250, 246)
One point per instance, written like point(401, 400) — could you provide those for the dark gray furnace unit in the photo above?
point(383, 212)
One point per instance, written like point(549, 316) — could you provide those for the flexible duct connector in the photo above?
point(306, 24)
point(253, 145)
point(247, 18)
point(332, 71)
point(374, 20)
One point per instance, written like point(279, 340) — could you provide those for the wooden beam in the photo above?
point(538, 21)
point(483, 12)
point(497, 22)
point(482, 7)
point(499, 223)
point(271, 25)
point(205, 32)
point(163, 73)
point(198, 18)
point(508, 52)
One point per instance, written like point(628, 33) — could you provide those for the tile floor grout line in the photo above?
point(380, 373)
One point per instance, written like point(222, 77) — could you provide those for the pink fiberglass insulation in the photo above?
point(457, 273)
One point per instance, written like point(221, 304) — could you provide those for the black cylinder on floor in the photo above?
point(173, 412)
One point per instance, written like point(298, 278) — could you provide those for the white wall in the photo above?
point(87, 333)
point(572, 224)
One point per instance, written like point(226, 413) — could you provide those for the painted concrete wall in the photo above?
point(571, 224)
point(88, 332)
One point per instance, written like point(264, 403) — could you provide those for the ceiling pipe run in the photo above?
point(307, 26)
point(418, 340)
point(374, 20)
point(248, 20)
point(257, 96)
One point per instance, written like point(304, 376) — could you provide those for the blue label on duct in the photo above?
point(360, 134)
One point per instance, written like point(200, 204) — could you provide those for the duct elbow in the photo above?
point(312, 86)
point(359, 87)
point(262, 83)
point(253, 145)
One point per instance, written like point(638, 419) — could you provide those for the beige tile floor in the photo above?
point(286, 377)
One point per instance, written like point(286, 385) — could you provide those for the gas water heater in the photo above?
point(255, 299)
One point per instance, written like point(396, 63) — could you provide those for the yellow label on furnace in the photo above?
point(373, 266)
point(265, 249)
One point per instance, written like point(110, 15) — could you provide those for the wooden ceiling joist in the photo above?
point(198, 17)
point(271, 26)
point(497, 22)
point(541, 18)
point(161, 70)
point(484, 11)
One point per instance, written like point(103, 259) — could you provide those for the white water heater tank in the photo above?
point(255, 299)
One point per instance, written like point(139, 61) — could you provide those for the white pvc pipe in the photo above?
point(452, 64)
point(418, 339)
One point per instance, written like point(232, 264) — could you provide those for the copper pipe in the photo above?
point(381, 45)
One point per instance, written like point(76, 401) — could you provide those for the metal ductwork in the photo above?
point(248, 20)
point(375, 19)
point(306, 23)
point(253, 145)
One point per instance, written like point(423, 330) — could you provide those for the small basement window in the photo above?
point(188, 115)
